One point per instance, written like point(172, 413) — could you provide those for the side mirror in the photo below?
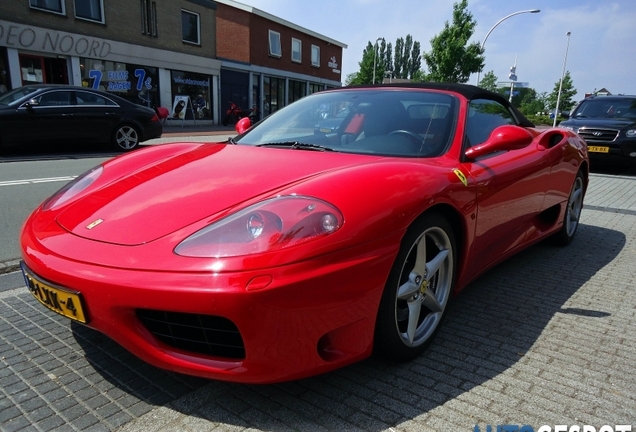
point(243, 124)
point(503, 138)
point(31, 103)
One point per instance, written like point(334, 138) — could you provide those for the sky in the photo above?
point(599, 53)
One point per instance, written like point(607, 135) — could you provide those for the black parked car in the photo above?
point(608, 124)
point(58, 113)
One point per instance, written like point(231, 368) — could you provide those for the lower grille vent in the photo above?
point(202, 334)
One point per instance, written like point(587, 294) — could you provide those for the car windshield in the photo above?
point(391, 122)
point(606, 108)
point(13, 95)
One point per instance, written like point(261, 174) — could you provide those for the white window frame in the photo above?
point(198, 42)
point(275, 49)
point(297, 54)
point(47, 9)
point(102, 18)
point(315, 56)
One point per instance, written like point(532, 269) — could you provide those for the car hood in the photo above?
point(162, 197)
point(613, 123)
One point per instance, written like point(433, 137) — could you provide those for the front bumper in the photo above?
point(623, 149)
point(294, 321)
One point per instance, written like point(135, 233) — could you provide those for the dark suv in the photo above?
point(608, 124)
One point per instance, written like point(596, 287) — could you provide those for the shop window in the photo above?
point(149, 18)
point(56, 6)
point(315, 56)
point(296, 50)
point(274, 44)
point(297, 90)
point(190, 27)
point(136, 83)
point(273, 94)
point(92, 10)
point(192, 96)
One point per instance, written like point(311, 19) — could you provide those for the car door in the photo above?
point(510, 186)
point(54, 114)
point(96, 116)
point(46, 117)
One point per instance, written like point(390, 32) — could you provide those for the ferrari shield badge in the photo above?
point(461, 176)
point(94, 224)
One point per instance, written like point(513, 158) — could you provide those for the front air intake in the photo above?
point(202, 334)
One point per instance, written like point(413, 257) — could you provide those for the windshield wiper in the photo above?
point(296, 145)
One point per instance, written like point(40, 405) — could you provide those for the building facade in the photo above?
point(268, 62)
point(191, 56)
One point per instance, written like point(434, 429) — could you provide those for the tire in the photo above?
point(125, 138)
point(226, 119)
point(417, 291)
point(572, 212)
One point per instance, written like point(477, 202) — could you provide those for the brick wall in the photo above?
point(123, 23)
point(233, 33)
point(244, 37)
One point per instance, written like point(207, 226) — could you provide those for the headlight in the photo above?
point(568, 128)
point(271, 225)
point(631, 133)
point(72, 188)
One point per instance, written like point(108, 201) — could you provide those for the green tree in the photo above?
point(350, 78)
point(567, 93)
point(489, 81)
point(532, 102)
point(388, 59)
point(415, 65)
point(451, 58)
point(365, 73)
point(408, 58)
point(381, 64)
point(398, 58)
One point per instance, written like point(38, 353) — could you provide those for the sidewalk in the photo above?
point(171, 129)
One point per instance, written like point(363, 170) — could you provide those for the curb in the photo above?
point(9, 266)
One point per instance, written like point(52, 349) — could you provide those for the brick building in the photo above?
point(157, 52)
point(269, 62)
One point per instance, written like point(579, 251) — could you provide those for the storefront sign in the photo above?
point(24, 37)
point(118, 80)
point(333, 64)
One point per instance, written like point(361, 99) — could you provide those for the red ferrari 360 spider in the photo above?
point(294, 249)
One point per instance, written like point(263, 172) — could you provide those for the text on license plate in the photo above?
point(598, 149)
point(59, 300)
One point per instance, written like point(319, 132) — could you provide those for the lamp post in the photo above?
point(499, 22)
point(565, 59)
point(375, 55)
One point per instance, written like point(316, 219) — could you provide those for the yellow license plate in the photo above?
point(60, 300)
point(597, 149)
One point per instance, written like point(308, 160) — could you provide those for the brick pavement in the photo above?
point(548, 337)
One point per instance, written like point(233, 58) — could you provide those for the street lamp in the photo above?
point(565, 59)
point(499, 22)
point(375, 55)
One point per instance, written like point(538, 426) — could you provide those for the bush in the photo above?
point(541, 120)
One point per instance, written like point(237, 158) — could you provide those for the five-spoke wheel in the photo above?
point(125, 138)
point(418, 289)
point(572, 212)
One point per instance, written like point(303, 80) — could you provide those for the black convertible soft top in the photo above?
point(470, 92)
